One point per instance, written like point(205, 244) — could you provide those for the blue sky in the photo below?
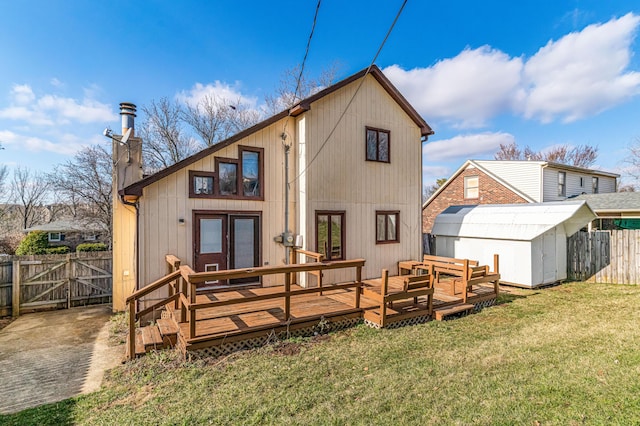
point(540, 73)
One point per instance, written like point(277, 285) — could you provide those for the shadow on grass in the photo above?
point(58, 413)
point(504, 298)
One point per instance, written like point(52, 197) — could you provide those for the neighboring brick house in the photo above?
point(512, 182)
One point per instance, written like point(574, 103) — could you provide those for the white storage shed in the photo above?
point(531, 239)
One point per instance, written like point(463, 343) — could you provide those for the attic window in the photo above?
point(471, 187)
point(378, 141)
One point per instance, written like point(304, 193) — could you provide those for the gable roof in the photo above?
point(303, 105)
point(479, 164)
point(522, 222)
point(485, 171)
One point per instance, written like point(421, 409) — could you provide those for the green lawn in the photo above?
point(565, 355)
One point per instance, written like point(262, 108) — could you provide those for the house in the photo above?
point(531, 239)
point(339, 174)
point(71, 233)
point(617, 210)
point(510, 182)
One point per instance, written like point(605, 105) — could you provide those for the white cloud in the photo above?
point(50, 110)
point(468, 89)
point(580, 75)
point(431, 173)
point(22, 94)
point(583, 73)
point(466, 146)
point(56, 83)
point(217, 90)
point(69, 146)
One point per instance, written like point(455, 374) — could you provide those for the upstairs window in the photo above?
point(252, 171)
point(378, 145)
point(227, 176)
point(240, 178)
point(201, 184)
point(562, 184)
point(594, 184)
point(471, 187)
point(387, 224)
point(330, 234)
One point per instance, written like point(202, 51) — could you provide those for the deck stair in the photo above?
point(442, 313)
point(161, 335)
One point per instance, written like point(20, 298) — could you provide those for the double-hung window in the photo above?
point(471, 187)
point(594, 185)
point(378, 144)
point(562, 184)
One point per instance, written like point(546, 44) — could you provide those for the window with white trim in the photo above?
point(471, 187)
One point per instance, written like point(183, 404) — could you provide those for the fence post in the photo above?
point(69, 272)
point(15, 297)
point(132, 329)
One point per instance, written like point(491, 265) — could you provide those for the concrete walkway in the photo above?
point(50, 356)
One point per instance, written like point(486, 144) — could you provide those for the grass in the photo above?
point(565, 355)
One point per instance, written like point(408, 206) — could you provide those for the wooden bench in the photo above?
point(398, 288)
point(463, 271)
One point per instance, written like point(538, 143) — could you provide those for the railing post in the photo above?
point(359, 287)
point(383, 294)
point(132, 329)
point(182, 283)
point(287, 298)
point(496, 270)
point(293, 259)
point(192, 311)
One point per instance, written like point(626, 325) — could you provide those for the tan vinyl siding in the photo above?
point(607, 184)
point(340, 179)
point(550, 184)
point(166, 201)
point(522, 175)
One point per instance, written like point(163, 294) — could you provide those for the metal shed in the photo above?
point(531, 239)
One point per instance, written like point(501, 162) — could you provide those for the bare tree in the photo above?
point(85, 184)
point(29, 190)
point(429, 190)
point(165, 142)
point(580, 156)
point(633, 161)
point(215, 119)
point(294, 87)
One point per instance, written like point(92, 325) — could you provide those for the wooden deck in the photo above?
point(215, 323)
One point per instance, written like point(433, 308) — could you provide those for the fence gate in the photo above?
point(62, 281)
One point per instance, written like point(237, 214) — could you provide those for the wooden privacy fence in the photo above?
point(604, 256)
point(54, 281)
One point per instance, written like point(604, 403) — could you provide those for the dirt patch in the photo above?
point(5, 321)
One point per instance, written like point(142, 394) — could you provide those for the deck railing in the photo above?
point(181, 284)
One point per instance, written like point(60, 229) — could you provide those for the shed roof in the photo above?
point(522, 222)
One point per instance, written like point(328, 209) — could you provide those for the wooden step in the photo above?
point(169, 330)
point(139, 346)
point(445, 312)
point(151, 338)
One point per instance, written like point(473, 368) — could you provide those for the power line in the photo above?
point(306, 52)
point(354, 93)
